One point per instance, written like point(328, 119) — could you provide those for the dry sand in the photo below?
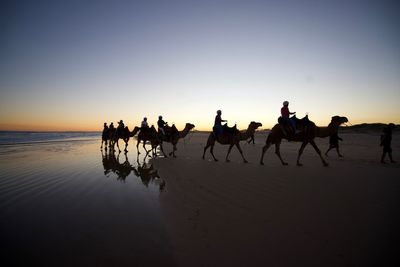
point(236, 214)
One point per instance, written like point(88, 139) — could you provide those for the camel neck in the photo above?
point(246, 135)
point(184, 132)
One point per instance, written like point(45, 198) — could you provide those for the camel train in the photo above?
point(306, 132)
point(172, 135)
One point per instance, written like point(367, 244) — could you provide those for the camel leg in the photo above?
point(229, 151)
point(312, 142)
point(147, 153)
point(137, 146)
point(162, 150)
point(210, 143)
point(329, 149)
point(303, 145)
point(241, 152)
point(144, 146)
point(264, 149)
point(173, 150)
point(340, 155)
point(212, 152)
point(118, 146)
point(205, 149)
point(126, 146)
point(278, 153)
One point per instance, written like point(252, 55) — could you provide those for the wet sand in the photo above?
point(236, 214)
point(64, 204)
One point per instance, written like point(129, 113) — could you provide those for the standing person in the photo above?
point(285, 113)
point(161, 124)
point(218, 123)
point(386, 140)
point(334, 143)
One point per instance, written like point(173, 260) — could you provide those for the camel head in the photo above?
point(254, 125)
point(189, 126)
point(338, 120)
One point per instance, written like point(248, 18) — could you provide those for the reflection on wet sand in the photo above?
point(145, 170)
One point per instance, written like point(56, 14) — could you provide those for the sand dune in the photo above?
point(236, 214)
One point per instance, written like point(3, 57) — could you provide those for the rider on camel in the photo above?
point(121, 126)
point(218, 130)
point(144, 126)
point(161, 125)
point(285, 114)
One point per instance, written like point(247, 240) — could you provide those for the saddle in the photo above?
point(302, 125)
point(170, 130)
point(229, 130)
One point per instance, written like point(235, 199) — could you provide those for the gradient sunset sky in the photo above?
point(72, 65)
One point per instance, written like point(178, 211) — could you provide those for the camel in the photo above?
point(307, 135)
point(124, 134)
point(231, 139)
point(173, 135)
point(151, 135)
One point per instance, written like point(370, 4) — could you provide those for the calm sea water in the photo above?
point(18, 137)
point(65, 202)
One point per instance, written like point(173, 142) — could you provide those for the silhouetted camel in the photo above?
point(151, 135)
point(308, 132)
point(123, 134)
point(172, 135)
point(231, 139)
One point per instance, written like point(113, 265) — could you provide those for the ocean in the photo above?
point(27, 137)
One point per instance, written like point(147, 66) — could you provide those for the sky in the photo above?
point(73, 65)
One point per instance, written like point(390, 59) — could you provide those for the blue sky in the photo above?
point(75, 64)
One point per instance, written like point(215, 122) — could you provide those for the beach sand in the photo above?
point(236, 214)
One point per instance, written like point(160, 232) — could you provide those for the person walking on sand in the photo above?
point(386, 140)
point(334, 143)
point(251, 139)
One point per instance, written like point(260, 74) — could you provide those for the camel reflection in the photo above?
point(112, 164)
point(145, 171)
point(148, 175)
